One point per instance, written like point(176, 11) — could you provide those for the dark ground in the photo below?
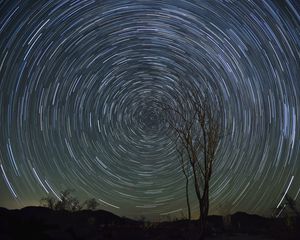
point(42, 223)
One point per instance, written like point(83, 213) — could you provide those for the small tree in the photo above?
point(68, 202)
point(75, 205)
point(291, 203)
point(48, 202)
point(91, 204)
point(288, 204)
point(65, 202)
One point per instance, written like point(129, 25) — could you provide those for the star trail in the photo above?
point(79, 82)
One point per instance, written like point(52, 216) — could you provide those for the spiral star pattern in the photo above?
point(78, 91)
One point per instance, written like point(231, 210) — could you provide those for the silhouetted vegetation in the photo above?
point(196, 126)
point(91, 204)
point(287, 219)
point(66, 201)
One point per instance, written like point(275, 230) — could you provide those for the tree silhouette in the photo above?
point(67, 201)
point(291, 203)
point(48, 202)
point(196, 126)
point(288, 203)
point(91, 204)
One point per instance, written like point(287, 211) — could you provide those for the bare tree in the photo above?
point(196, 125)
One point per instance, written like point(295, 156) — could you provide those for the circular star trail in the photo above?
point(78, 91)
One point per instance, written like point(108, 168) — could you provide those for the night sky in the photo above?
point(79, 82)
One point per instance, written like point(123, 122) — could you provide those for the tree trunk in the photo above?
point(187, 198)
point(202, 223)
point(204, 206)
